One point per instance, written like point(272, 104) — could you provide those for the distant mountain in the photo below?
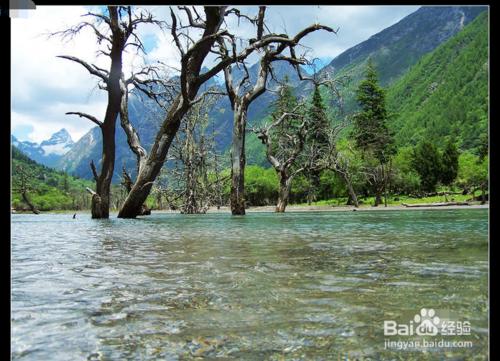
point(222, 114)
point(393, 51)
point(446, 93)
point(50, 189)
point(396, 47)
point(147, 124)
point(49, 151)
point(59, 143)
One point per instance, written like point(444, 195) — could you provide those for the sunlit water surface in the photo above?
point(297, 286)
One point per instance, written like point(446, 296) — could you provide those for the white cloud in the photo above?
point(44, 87)
point(52, 118)
point(41, 81)
point(354, 23)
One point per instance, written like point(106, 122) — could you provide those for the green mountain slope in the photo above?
point(50, 189)
point(394, 51)
point(446, 92)
point(397, 48)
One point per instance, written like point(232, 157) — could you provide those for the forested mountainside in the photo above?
point(46, 188)
point(446, 93)
point(393, 51)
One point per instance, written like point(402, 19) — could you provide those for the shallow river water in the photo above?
point(296, 286)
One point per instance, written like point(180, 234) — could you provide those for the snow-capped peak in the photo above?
point(59, 143)
point(59, 137)
point(49, 151)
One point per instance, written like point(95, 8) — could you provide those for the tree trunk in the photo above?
point(135, 199)
point(154, 162)
point(159, 200)
point(191, 204)
point(284, 191)
point(28, 202)
point(96, 207)
point(100, 201)
point(387, 173)
point(378, 198)
point(310, 193)
point(190, 78)
point(352, 193)
point(238, 161)
point(309, 200)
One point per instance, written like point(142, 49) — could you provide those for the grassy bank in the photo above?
point(393, 200)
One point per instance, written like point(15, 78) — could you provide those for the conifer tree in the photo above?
point(285, 102)
point(370, 132)
point(318, 119)
point(317, 139)
point(427, 163)
point(449, 163)
point(370, 124)
point(284, 139)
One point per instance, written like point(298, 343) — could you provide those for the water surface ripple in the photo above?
point(297, 286)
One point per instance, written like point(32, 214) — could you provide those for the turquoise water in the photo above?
point(296, 286)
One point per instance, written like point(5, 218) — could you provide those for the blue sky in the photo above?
point(43, 90)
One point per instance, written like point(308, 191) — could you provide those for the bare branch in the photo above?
point(91, 69)
point(71, 32)
point(90, 191)
point(192, 22)
point(145, 18)
point(99, 16)
point(231, 92)
point(238, 13)
point(174, 32)
point(127, 181)
point(282, 39)
point(260, 22)
point(94, 171)
point(132, 135)
point(89, 117)
point(263, 135)
point(205, 94)
point(244, 79)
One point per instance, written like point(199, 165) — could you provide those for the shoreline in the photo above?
point(298, 209)
point(292, 208)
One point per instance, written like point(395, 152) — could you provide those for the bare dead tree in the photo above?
point(195, 157)
point(190, 81)
point(337, 162)
point(375, 177)
point(319, 156)
point(192, 56)
point(160, 190)
point(241, 97)
point(378, 176)
point(121, 22)
point(126, 180)
point(23, 184)
point(284, 155)
point(190, 151)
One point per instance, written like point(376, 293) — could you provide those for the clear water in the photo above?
point(297, 286)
